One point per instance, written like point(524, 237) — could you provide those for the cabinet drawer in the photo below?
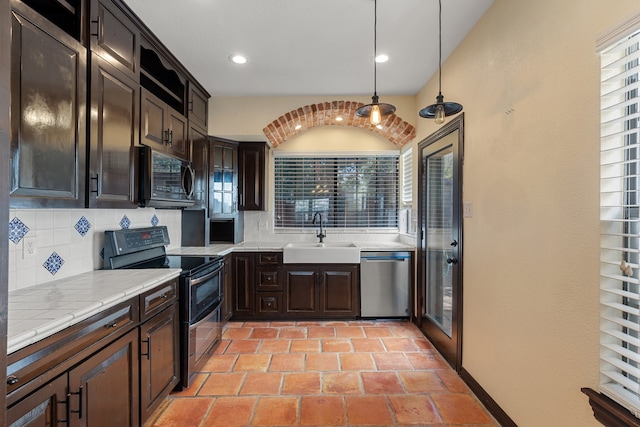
point(268, 279)
point(156, 299)
point(42, 361)
point(268, 304)
point(270, 258)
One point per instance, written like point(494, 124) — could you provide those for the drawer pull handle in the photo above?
point(111, 325)
point(165, 296)
point(12, 379)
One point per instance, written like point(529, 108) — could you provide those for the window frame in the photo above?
point(619, 389)
point(307, 224)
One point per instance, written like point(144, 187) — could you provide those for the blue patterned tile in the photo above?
point(155, 220)
point(125, 222)
point(54, 263)
point(17, 230)
point(82, 226)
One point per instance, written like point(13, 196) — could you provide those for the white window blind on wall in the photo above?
point(350, 192)
point(620, 223)
point(407, 177)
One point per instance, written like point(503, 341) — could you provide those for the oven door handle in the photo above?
point(211, 312)
point(198, 280)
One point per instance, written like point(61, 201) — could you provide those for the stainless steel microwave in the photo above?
point(164, 181)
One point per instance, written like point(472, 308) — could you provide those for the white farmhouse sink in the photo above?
point(321, 253)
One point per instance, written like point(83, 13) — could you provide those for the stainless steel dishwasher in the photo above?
point(385, 280)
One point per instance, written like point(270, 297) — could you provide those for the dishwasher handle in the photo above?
point(392, 258)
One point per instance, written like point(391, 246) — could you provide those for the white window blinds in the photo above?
point(407, 177)
point(620, 223)
point(351, 192)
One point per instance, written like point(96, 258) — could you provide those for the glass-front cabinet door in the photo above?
point(223, 178)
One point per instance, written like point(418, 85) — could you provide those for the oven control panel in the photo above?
point(129, 241)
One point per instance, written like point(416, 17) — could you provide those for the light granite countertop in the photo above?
point(224, 249)
point(42, 310)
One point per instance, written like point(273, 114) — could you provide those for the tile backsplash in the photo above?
point(49, 244)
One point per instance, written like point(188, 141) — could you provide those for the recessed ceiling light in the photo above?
point(298, 126)
point(379, 126)
point(238, 59)
point(339, 119)
point(382, 58)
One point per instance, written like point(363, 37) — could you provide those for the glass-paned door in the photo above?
point(440, 245)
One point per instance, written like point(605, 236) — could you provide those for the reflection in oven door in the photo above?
point(203, 338)
point(205, 293)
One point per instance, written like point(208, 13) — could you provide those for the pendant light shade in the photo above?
point(375, 111)
point(440, 109)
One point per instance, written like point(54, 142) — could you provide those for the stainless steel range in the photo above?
point(200, 293)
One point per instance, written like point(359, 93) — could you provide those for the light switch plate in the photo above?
point(468, 210)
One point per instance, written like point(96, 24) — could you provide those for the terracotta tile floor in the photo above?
point(358, 373)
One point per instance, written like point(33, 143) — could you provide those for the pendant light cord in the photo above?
point(440, 48)
point(375, 46)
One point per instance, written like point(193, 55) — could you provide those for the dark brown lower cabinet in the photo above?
point(113, 369)
point(265, 288)
point(104, 389)
point(243, 290)
point(159, 365)
point(43, 408)
point(321, 292)
point(227, 289)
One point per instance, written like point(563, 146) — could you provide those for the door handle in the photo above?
point(452, 260)
point(454, 243)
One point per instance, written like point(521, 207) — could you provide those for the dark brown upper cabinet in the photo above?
point(115, 37)
point(48, 113)
point(113, 134)
point(199, 142)
point(161, 76)
point(223, 178)
point(89, 82)
point(66, 15)
point(198, 107)
point(162, 128)
point(252, 157)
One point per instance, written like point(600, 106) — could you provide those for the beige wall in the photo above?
point(528, 77)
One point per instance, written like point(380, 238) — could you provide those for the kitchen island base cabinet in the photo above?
point(321, 292)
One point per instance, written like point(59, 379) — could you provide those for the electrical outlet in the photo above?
point(29, 247)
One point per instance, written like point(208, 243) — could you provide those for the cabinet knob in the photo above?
point(12, 379)
point(111, 325)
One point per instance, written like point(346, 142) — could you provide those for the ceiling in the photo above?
point(309, 47)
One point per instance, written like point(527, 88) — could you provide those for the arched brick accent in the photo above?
point(393, 129)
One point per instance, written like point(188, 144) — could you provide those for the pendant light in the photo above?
point(440, 109)
point(375, 111)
